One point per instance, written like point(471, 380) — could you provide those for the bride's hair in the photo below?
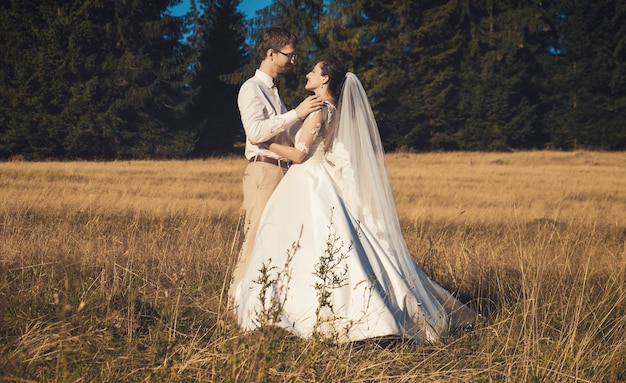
point(336, 72)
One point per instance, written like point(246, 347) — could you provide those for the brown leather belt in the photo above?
point(274, 161)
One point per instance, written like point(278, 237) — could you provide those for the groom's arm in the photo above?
point(261, 122)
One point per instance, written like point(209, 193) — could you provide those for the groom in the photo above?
point(265, 120)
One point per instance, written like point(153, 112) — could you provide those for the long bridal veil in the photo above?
point(360, 170)
point(360, 173)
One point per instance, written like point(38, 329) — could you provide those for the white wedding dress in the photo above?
point(317, 270)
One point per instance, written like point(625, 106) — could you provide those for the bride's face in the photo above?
point(314, 78)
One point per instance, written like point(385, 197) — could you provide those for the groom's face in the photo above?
point(284, 58)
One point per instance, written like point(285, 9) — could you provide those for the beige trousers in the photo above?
point(259, 181)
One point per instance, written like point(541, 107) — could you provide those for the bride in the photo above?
point(329, 259)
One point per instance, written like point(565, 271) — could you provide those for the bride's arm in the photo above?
point(310, 129)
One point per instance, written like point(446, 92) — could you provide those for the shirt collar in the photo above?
point(266, 78)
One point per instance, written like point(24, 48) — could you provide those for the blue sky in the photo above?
point(247, 7)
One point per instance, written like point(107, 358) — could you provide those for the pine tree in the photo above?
point(407, 56)
point(219, 40)
point(499, 103)
point(437, 42)
point(375, 40)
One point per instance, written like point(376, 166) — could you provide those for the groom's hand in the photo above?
point(308, 105)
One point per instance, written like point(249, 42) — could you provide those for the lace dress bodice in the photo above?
point(316, 151)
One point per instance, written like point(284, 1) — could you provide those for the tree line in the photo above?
point(122, 79)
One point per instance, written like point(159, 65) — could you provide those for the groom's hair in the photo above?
point(275, 37)
point(336, 72)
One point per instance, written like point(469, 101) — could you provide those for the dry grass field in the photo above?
point(115, 272)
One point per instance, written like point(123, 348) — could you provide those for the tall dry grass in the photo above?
point(116, 272)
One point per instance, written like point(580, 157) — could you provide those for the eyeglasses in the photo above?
point(290, 56)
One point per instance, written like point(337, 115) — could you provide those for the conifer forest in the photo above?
point(126, 79)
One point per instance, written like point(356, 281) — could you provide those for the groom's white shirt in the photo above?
point(264, 116)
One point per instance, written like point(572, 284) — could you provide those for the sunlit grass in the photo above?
point(116, 271)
